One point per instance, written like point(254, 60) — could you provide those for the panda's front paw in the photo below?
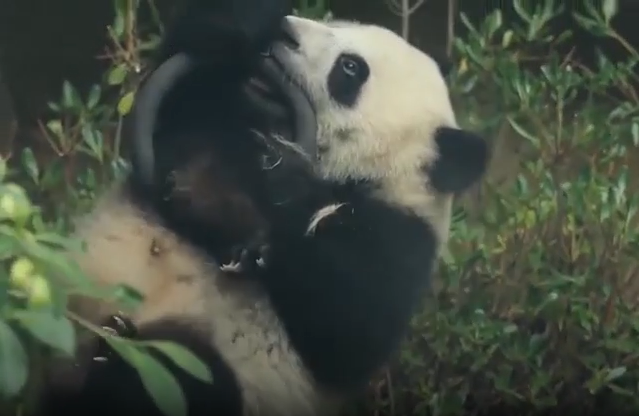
point(227, 28)
point(261, 20)
point(248, 258)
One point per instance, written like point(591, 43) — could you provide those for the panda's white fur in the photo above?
point(389, 133)
point(124, 245)
point(388, 138)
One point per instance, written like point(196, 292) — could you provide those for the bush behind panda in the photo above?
point(352, 231)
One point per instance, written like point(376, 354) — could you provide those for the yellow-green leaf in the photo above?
point(126, 103)
point(117, 75)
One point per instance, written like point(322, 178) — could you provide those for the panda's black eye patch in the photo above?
point(349, 73)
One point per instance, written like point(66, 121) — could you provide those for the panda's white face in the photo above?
point(378, 100)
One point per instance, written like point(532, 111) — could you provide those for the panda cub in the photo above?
point(353, 229)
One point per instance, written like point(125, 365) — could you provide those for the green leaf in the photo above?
point(117, 75)
point(493, 22)
point(51, 259)
point(67, 94)
point(5, 286)
point(94, 143)
point(157, 380)
point(30, 163)
point(3, 168)
point(55, 126)
point(9, 247)
point(125, 103)
point(70, 97)
point(59, 242)
point(615, 373)
point(507, 38)
point(519, 129)
point(14, 362)
point(118, 26)
point(523, 13)
point(54, 331)
point(94, 96)
point(585, 22)
point(54, 107)
point(466, 21)
point(184, 359)
point(126, 296)
point(609, 9)
point(121, 7)
point(635, 133)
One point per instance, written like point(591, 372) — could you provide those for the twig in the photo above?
point(389, 388)
point(450, 27)
point(404, 10)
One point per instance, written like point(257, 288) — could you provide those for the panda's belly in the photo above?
point(254, 344)
point(180, 281)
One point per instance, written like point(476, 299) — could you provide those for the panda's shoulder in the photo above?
point(360, 204)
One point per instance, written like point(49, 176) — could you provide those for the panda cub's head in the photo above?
point(383, 111)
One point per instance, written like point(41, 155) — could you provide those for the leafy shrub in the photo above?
point(85, 156)
point(538, 297)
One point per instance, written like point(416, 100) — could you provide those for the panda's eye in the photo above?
point(347, 77)
point(350, 66)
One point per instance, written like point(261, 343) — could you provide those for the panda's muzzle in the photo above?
point(288, 36)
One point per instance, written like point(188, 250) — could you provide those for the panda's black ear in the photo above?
point(462, 160)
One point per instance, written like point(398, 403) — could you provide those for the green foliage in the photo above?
point(313, 9)
point(539, 291)
point(34, 280)
point(83, 156)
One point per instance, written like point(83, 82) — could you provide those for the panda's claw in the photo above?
point(247, 258)
point(263, 252)
point(232, 267)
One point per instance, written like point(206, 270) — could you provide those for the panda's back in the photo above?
point(127, 245)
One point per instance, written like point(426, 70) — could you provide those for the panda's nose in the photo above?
point(290, 37)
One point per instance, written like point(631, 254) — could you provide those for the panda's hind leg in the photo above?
point(113, 387)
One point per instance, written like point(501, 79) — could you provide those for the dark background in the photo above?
point(43, 42)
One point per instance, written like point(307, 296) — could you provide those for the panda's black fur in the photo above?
point(345, 267)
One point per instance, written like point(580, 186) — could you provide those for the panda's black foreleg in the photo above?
point(206, 28)
point(203, 197)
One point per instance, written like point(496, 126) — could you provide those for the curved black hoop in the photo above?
point(151, 94)
point(146, 109)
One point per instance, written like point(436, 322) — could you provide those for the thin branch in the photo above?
point(405, 19)
point(404, 10)
point(416, 6)
point(450, 27)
